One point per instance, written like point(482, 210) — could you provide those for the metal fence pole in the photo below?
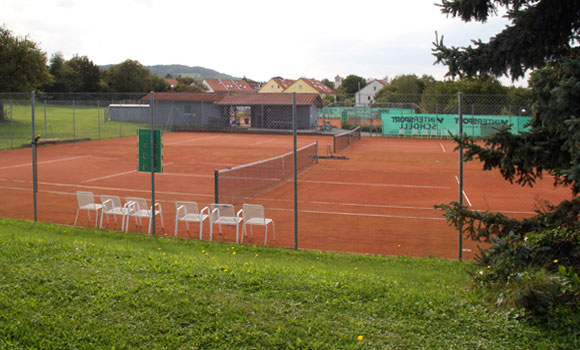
point(11, 127)
point(98, 120)
point(295, 172)
point(460, 233)
point(74, 122)
point(34, 170)
point(152, 149)
point(45, 127)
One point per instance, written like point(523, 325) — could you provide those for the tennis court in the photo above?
point(379, 201)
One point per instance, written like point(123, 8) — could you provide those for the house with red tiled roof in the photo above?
point(305, 85)
point(276, 84)
point(228, 86)
point(172, 83)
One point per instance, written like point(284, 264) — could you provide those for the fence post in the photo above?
point(295, 172)
point(45, 125)
point(74, 122)
point(460, 233)
point(152, 149)
point(34, 170)
point(11, 127)
point(98, 120)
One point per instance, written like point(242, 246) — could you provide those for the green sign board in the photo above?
point(443, 124)
point(144, 147)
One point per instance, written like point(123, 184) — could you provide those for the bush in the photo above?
point(537, 273)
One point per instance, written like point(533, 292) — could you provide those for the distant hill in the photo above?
point(176, 70)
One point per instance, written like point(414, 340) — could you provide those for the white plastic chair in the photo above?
point(424, 133)
point(137, 208)
point(433, 133)
point(253, 214)
point(189, 212)
point(401, 132)
point(112, 205)
point(415, 132)
point(224, 214)
point(86, 201)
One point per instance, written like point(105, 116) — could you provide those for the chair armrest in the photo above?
point(106, 202)
point(241, 211)
point(206, 209)
point(180, 208)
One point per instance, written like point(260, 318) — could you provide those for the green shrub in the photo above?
point(537, 273)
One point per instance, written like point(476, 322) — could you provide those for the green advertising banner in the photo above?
point(443, 124)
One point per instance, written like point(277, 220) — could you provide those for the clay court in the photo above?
point(379, 201)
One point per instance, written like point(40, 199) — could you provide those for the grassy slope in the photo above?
point(63, 287)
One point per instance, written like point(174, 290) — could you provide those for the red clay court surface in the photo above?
point(380, 201)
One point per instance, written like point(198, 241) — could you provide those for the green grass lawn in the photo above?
point(64, 122)
point(74, 288)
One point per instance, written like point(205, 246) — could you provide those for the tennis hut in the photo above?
point(274, 110)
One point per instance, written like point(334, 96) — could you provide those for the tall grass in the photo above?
point(64, 121)
point(75, 288)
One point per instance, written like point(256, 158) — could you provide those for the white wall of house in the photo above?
point(366, 95)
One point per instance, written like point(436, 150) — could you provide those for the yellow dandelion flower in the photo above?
point(248, 271)
point(158, 248)
point(555, 261)
point(164, 254)
point(360, 338)
point(356, 268)
point(175, 262)
point(489, 266)
point(203, 251)
point(233, 253)
point(233, 248)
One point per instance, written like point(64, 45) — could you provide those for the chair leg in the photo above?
point(96, 217)
point(176, 223)
point(200, 229)
point(237, 232)
point(266, 235)
point(76, 217)
point(103, 214)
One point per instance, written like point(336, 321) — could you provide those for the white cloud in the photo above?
point(255, 38)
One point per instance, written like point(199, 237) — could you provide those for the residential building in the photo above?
point(304, 85)
point(366, 95)
point(276, 84)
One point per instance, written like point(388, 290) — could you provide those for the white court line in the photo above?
point(109, 176)
point(188, 141)
point(266, 141)
point(464, 194)
point(358, 214)
point(442, 147)
point(375, 185)
point(44, 162)
point(185, 175)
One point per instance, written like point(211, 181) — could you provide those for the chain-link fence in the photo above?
point(375, 195)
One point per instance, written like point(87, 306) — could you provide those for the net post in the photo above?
point(216, 185)
point(316, 152)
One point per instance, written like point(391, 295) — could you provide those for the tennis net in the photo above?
point(344, 140)
point(233, 185)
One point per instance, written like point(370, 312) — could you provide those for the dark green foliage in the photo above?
point(22, 63)
point(536, 272)
point(129, 76)
point(541, 31)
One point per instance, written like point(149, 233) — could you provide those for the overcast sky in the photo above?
point(258, 39)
